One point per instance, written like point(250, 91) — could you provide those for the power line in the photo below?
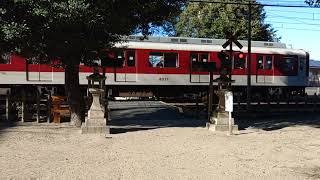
point(298, 2)
point(297, 12)
point(268, 21)
point(290, 17)
point(298, 29)
point(257, 4)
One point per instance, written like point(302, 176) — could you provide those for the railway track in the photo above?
point(269, 106)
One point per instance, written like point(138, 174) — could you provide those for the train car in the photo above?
point(166, 66)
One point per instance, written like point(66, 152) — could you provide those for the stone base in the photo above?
point(95, 130)
point(215, 127)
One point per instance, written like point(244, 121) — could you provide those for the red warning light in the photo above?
point(111, 55)
point(241, 55)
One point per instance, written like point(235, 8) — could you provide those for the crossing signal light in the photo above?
point(111, 58)
point(225, 63)
point(240, 55)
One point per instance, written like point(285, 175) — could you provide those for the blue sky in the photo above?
point(299, 28)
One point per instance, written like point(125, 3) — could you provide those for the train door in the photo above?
point(264, 69)
point(38, 72)
point(126, 70)
point(196, 61)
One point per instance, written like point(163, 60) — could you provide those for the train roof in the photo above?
point(202, 44)
point(202, 41)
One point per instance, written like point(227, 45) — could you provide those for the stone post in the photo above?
point(220, 120)
point(95, 123)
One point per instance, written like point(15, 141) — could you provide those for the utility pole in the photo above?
point(249, 57)
point(231, 64)
point(210, 100)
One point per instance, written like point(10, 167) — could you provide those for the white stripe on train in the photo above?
point(52, 78)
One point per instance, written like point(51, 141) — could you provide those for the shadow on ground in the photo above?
point(6, 125)
point(138, 119)
point(270, 122)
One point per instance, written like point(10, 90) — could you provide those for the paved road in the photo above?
point(143, 115)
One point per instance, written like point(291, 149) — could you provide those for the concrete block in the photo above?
point(95, 129)
point(221, 127)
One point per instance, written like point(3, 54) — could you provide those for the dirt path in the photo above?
point(61, 152)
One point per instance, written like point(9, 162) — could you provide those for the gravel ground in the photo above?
point(60, 152)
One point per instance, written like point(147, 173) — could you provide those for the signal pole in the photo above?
point(231, 64)
point(249, 57)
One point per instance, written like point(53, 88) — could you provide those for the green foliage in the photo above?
point(73, 29)
point(217, 19)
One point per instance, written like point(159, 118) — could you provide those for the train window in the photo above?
point(204, 57)
point(5, 58)
point(288, 64)
point(170, 60)
point(268, 62)
point(120, 59)
point(156, 59)
point(199, 57)
point(194, 57)
point(259, 62)
point(163, 60)
point(301, 63)
point(131, 58)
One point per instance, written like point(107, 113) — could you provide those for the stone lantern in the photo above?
point(221, 119)
point(96, 121)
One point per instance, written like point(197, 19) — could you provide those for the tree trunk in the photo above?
point(72, 89)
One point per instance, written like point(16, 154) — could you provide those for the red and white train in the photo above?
point(165, 66)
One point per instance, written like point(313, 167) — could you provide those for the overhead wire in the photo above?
point(290, 18)
point(297, 19)
point(298, 29)
point(297, 12)
point(297, 23)
point(255, 3)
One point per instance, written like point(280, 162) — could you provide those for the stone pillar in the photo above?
point(220, 119)
point(95, 123)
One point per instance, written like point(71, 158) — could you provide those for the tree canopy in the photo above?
point(214, 20)
point(59, 28)
point(70, 30)
point(315, 3)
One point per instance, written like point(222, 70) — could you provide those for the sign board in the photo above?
point(228, 101)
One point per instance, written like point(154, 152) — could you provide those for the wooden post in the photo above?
point(23, 106)
point(305, 99)
point(314, 102)
point(239, 99)
point(268, 102)
point(38, 105)
point(197, 104)
point(258, 103)
point(49, 107)
point(8, 106)
point(296, 100)
point(288, 102)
